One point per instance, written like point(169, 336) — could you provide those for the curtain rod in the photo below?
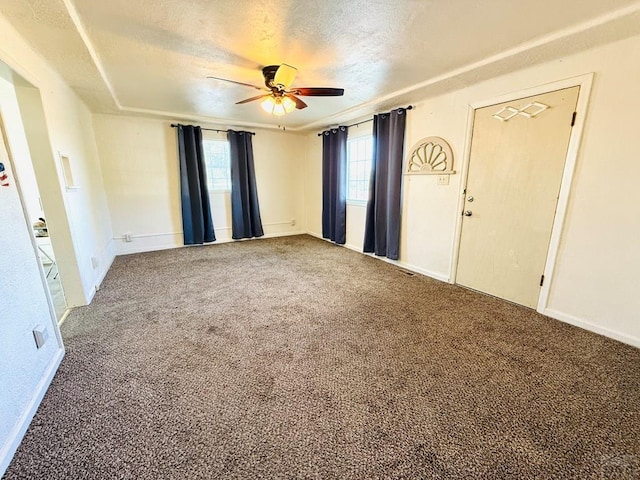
point(408, 107)
point(174, 125)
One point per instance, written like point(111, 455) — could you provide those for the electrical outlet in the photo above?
point(443, 179)
point(293, 222)
point(94, 262)
point(127, 237)
point(40, 335)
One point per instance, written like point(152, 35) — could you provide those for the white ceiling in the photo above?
point(153, 56)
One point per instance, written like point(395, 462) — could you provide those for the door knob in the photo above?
point(467, 213)
point(470, 198)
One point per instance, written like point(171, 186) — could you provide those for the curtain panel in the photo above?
point(245, 209)
point(197, 224)
point(334, 185)
point(382, 228)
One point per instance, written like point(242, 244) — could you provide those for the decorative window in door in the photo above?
point(530, 110)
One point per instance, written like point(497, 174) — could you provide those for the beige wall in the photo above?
point(141, 173)
point(595, 280)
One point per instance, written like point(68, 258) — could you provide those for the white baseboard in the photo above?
point(64, 317)
point(404, 265)
point(110, 256)
point(578, 322)
point(397, 263)
point(266, 235)
point(283, 234)
point(99, 280)
point(421, 271)
point(355, 248)
point(105, 258)
point(8, 450)
point(150, 243)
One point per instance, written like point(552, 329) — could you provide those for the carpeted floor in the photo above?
point(294, 358)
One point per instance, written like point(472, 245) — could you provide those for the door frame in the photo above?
point(43, 278)
point(585, 83)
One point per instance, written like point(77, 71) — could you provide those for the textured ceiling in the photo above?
point(153, 56)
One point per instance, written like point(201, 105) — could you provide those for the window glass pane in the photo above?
point(359, 154)
point(218, 164)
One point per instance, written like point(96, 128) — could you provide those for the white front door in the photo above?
point(518, 152)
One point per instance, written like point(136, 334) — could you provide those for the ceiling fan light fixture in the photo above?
point(278, 109)
point(278, 105)
point(288, 104)
point(268, 104)
point(284, 76)
point(281, 99)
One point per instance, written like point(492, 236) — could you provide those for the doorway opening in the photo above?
point(49, 264)
point(15, 148)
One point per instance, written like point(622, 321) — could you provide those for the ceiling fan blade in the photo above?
point(299, 103)
point(257, 97)
point(318, 92)
point(284, 76)
point(237, 83)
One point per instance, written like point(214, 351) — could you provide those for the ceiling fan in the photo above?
point(282, 98)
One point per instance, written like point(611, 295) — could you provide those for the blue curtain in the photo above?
point(382, 229)
point(334, 185)
point(196, 210)
point(245, 210)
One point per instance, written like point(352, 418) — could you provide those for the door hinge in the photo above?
point(573, 118)
point(541, 280)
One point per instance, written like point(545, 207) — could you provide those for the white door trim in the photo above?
point(584, 82)
point(43, 278)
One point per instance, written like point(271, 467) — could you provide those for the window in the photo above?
point(218, 164)
point(359, 154)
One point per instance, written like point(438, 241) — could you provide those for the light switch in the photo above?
point(443, 179)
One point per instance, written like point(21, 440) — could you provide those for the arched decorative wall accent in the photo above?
point(431, 156)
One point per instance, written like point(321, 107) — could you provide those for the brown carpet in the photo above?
point(294, 358)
